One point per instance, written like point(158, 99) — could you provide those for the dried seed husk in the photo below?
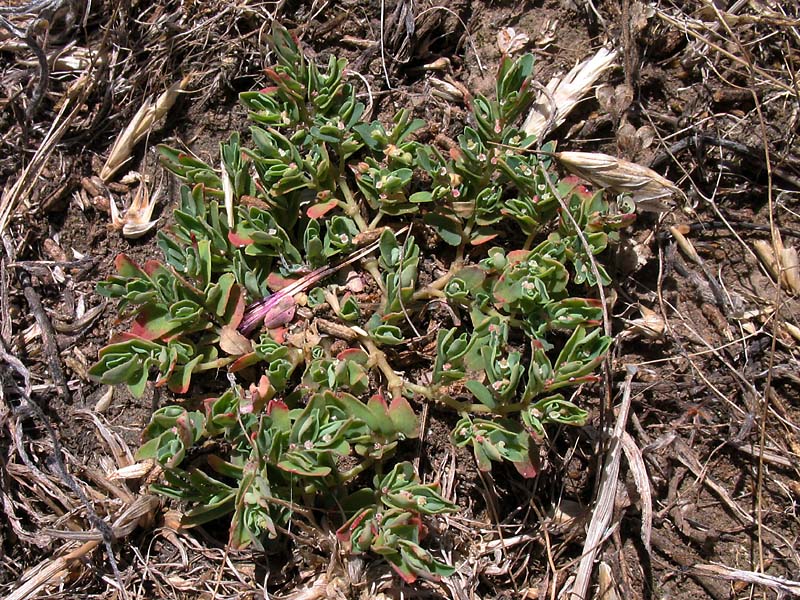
point(781, 262)
point(136, 220)
point(553, 104)
point(648, 189)
point(141, 123)
point(650, 325)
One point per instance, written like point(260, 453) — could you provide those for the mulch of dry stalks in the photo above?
point(685, 484)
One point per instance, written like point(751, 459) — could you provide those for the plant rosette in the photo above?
point(321, 251)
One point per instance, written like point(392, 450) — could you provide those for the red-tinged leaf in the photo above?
point(527, 469)
point(404, 417)
point(317, 211)
point(279, 412)
point(272, 74)
point(233, 342)
point(406, 576)
point(151, 266)
point(238, 307)
point(516, 256)
point(152, 323)
point(181, 378)
point(379, 409)
point(123, 336)
point(269, 90)
point(248, 360)
point(238, 240)
point(417, 520)
point(278, 334)
point(263, 389)
point(276, 282)
point(578, 186)
point(454, 153)
point(482, 238)
point(164, 380)
point(354, 354)
point(276, 405)
point(127, 267)
point(259, 395)
point(314, 471)
point(345, 531)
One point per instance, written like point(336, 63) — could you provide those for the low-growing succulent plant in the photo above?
point(308, 261)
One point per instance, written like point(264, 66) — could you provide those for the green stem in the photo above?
point(351, 207)
point(371, 267)
point(434, 394)
point(374, 223)
point(529, 240)
point(434, 289)
point(356, 471)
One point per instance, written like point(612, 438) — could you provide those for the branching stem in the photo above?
point(351, 207)
point(377, 358)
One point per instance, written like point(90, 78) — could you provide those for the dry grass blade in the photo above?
point(636, 463)
point(650, 190)
point(139, 126)
point(604, 505)
point(607, 587)
point(699, 30)
point(689, 459)
point(74, 98)
point(779, 584)
point(52, 571)
point(555, 102)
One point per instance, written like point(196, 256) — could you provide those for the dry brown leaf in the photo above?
point(233, 342)
point(650, 325)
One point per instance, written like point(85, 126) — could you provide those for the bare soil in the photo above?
point(704, 93)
